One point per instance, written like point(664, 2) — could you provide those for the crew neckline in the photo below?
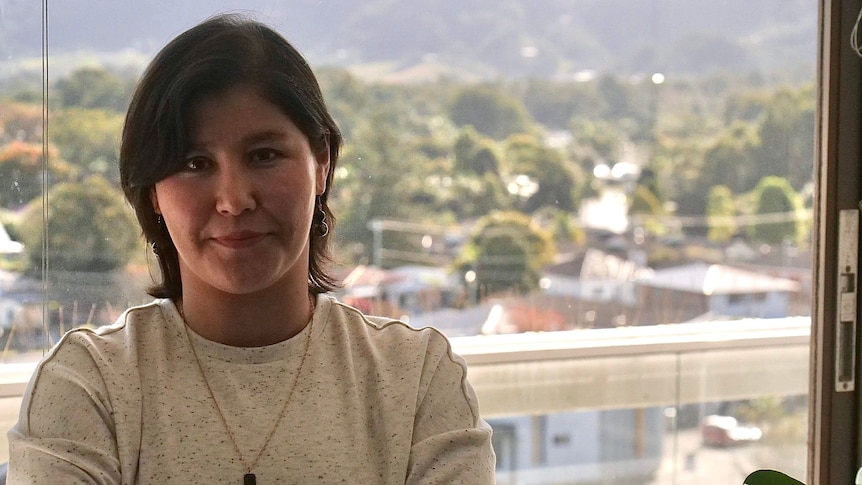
point(246, 355)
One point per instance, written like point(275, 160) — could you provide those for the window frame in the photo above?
point(835, 450)
point(834, 434)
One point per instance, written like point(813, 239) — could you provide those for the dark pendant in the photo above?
point(249, 479)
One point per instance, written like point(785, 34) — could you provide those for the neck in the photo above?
point(251, 320)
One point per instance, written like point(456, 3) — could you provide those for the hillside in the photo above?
point(461, 38)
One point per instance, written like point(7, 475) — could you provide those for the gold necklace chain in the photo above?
point(249, 477)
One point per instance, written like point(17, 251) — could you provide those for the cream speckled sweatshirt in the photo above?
point(377, 402)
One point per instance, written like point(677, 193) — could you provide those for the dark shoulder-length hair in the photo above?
point(208, 59)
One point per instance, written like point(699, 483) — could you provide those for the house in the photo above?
point(587, 447)
point(718, 290)
point(405, 290)
point(595, 276)
point(536, 312)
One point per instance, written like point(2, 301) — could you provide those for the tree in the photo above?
point(347, 98)
point(474, 154)
point(598, 136)
point(731, 159)
point(92, 87)
point(720, 210)
point(775, 200)
point(507, 251)
point(378, 173)
point(647, 209)
point(90, 228)
point(21, 170)
point(555, 104)
point(490, 111)
point(616, 97)
point(89, 140)
point(471, 196)
point(561, 225)
point(525, 155)
point(20, 122)
point(786, 135)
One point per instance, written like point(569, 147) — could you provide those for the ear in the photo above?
point(154, 200)
point(321, 169)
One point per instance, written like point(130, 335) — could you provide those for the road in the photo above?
point(687, 461)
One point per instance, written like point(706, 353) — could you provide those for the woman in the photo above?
point(243, 370)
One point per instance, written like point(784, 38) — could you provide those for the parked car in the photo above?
point(719, 430)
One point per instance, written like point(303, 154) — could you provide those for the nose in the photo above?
point(236, 191)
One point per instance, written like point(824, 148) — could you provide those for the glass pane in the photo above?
point(589, 171)
point(21, 170)
point(649, 404)
point(22, 179)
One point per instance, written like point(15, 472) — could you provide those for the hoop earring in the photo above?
point(159, 222)
point(322, 226)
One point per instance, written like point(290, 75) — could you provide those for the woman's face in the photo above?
point(240, 211)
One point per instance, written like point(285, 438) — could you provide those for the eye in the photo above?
point(197, 164)
point(264, 155)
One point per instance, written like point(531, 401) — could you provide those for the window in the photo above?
point(618, 196)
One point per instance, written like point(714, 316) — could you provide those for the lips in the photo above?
point(239, 239)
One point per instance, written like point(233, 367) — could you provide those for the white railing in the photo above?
point(623, 368)
point(637, 367)
point(620, 368)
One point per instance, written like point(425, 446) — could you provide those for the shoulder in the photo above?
point(114, 343)
point(96, 359)
point(131, 320)
point(391, 340)
point(382, 329)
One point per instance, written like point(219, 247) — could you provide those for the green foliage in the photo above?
point(21, 169)
point(89, 140)
point(616, 98)
point(600, 137)
point(731, 160)
point(471, 196)
point(346, 97)
point(20, 122)
point(24, 85)
point(650, 180)
point(507, 251)
point(475, 154)
point(561, 225)
point(747, 106)
point(492, 112)
point(446, 150)
point(556, 104)
point(787, 136)
point(775, 199)
point(762, 410)
point(90, 228)
point(378, 175)
point(526, 155)
point(677, 161)
point(91, 87)
point(647, 210)
point(720, 210)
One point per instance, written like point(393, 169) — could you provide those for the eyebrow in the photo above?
point(251, 138)
point(264, 136)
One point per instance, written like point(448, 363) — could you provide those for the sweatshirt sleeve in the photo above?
point(65, 431)
point(451, 442)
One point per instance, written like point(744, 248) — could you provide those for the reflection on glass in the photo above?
point(587, 166)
